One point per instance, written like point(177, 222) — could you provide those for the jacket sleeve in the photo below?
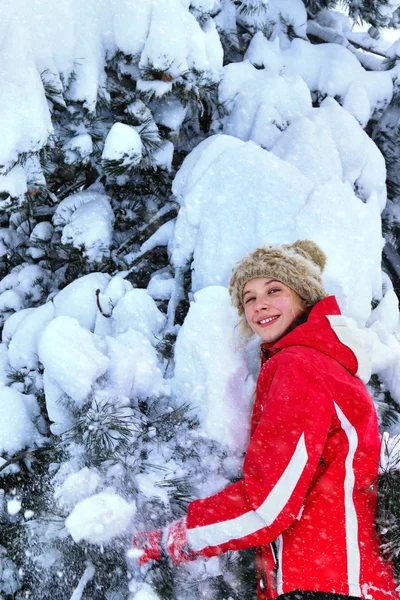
point(281, 460)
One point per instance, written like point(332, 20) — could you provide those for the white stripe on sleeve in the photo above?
point(252, 521)
point(353, 551)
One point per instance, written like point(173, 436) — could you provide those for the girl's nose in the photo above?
point(260, 304)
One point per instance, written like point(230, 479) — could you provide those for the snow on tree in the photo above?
point(146, 148)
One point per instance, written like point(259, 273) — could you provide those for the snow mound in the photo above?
point(100, 518)
point(24, 115)
point(23, 345)
point(78, 148)
point(86, 220)
point(260, 104)
point(275, 189)
point(134, 367)
point(328, 70)
point(172, 22)
point(78, 299)
point(64, 348)
point(21, 287)
point(299, 195)
point(137, 310)
point(210, 370)
point(16, 428)
point(123, 144)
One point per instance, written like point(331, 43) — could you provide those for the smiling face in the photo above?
point(271, 307)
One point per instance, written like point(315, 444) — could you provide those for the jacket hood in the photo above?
point(329, 332)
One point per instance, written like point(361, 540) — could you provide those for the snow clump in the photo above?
point(100, 518)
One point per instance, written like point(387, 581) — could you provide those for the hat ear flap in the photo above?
point(245, 329)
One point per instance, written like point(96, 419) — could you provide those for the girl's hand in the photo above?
point(172, 542)
point(149, 542)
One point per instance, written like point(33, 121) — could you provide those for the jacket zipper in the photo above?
point(276, 565)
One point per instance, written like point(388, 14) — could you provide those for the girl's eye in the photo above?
point(249, 300)
point(273, 290)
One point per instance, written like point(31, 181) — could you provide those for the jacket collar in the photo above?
point(327, 331)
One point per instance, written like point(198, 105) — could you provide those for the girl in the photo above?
point(307, 498)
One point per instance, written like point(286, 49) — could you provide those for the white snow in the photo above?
point(362, 163)
point(160, 238)
point(137, 310)
point(78, 148)
point(10, 301)
point(309, 145)
point(145, 591)
point(161, 286)
point(10, 326)
point(353, 245)
point(170, 113)
point(328, 70)
point(316, 186)
point(171, 21)
point(274, 189)
point(87, 576)
point(21, 286)
point(4, 365)
point(23, 345)
point(272, 15)
point(210, 369)
point(277, 170)
point(90, 227)
point(147, 485)
point(260, 103)
point(16, 428)
point(78, 299)
point(130, 39)
point(24, 116)
point(107, 299)
point(123, 144)
point(86, 220)
point(60, 417)
point(42, 232)
point(334, 19)
point(14, 182)
point(162, 157)
point(64, 348)
point(76, 487)
point(100, 518)
point(8, 241)
point(13, 507)
point(134, 367)
point(387, 312)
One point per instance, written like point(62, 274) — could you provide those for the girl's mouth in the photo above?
point(267, 320)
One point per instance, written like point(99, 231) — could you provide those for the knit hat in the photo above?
point(298, 265)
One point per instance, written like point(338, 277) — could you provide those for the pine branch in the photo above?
point(326, 34)
point(28, 454)
point(105, 429)
point(142, 236)
point(250, 7)
point(180, 490)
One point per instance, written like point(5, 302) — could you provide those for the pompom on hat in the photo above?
point(299, 266)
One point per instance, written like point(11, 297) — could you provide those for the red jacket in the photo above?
point(309, 474)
